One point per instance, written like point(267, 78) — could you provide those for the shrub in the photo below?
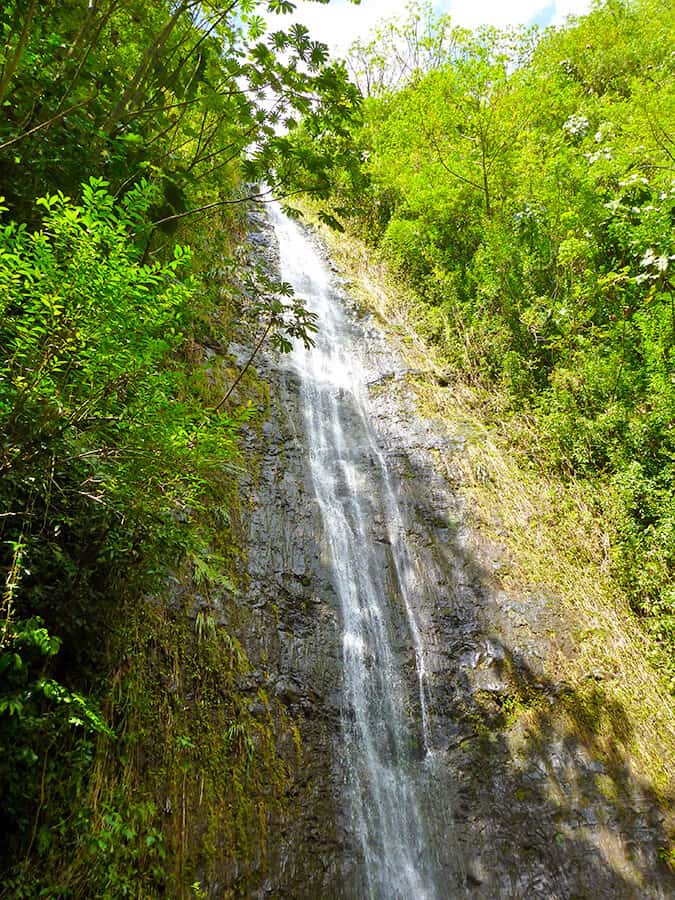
point(99, 459)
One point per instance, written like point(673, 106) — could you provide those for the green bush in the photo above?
point(403, 245)
point(103, 456)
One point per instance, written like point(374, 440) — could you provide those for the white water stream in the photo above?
point(388, 750)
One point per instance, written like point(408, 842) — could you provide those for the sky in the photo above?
point(341, 23)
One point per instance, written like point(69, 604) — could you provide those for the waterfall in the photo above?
point(387, 741)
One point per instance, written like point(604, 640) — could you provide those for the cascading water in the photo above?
point(393, 782)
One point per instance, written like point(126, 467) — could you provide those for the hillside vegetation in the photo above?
point(522, 185)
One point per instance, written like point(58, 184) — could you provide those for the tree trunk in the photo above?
point(150, 54)
point(13, 62)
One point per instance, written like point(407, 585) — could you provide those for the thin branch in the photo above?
point(15, 59)
point(47, 123)
point(216, 168)
point(245, 369)
point(151, 53)
point(135, 113)
point(257, 198)
point(207, 206)
point(207, 33)
point(92, 43)
point(441, 160)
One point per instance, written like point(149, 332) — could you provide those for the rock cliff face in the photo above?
point(522, 800)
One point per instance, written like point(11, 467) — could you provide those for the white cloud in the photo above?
point(470, 13)
point(340, 23)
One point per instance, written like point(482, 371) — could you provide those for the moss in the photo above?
point(607, 787)
point(189, 742)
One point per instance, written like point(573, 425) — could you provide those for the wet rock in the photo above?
point(258, 710)
point(251, 681)
point(475, 873)
point(287, 691)
point(259, 239)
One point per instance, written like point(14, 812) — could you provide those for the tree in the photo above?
point(402, 50)
point(456, 123)
point(174, 93)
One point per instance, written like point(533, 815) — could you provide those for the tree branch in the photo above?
point(47, 123)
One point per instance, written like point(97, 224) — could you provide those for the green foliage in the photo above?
point(403, 244)
point(123, 850)
point(91, 404)
point(123, 845)
point(95, 458)
point(24, 695)
point(36, 712)
point(540, 237)
point(174, 92)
